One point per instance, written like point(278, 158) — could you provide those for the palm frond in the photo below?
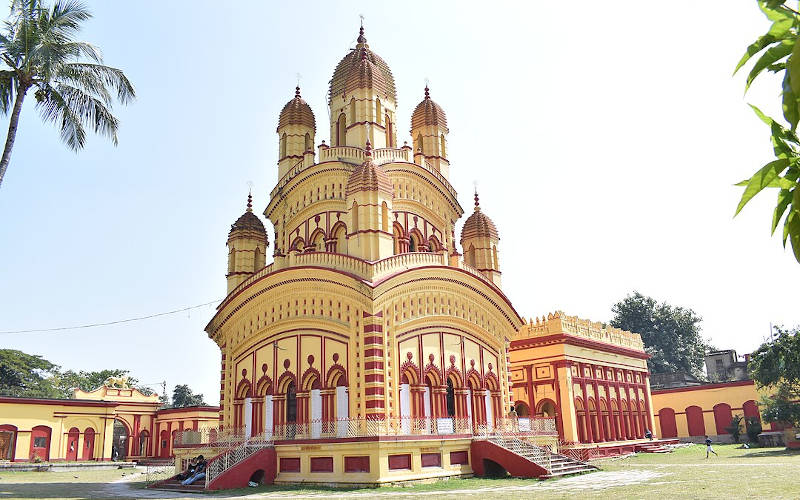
point(99, 79)
point(55, 108)
point(90, 111)
point(8, 89)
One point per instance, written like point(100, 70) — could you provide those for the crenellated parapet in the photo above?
point(558, 322)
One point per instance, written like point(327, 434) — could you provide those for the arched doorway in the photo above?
point(450, 399)
point(750, 409)
point(521, 407)
point(669, 428)
point(722, 417)
point(119, 443)
point(694, 421)
point(291, 410)
point(144, 441)
point(8, 441)
point(88, 444)
point(40, 442)
point(164, 443)
point(72, 444)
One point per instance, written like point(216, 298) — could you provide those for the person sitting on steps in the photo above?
point(199, 472)
point(189, 472)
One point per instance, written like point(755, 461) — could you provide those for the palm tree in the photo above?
point(73, 88)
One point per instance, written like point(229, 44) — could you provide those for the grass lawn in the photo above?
point(736, 473)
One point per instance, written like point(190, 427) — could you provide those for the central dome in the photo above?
point(362, 68)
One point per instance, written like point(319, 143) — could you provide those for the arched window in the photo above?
point(442, 151)
point(412, 243)
point(352, 110)
point(232, 260)
point(397, 234)
point(750, 409)
point(341, 130)
point(283, 146)
point(258, 259)
point(451, 399)
point(291, 403)
point(418, 145)
point(385, 217)
point(355, 217)
point(389, 131)
point(144, 440)
point(471, 256)
point(308, 145)
point(494, 256)
point(521, 407)
point(378, 111)
point(318, 241)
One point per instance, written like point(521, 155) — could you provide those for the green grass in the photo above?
point(736, 473)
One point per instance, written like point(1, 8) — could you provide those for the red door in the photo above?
point(694, 420)
point(40, 443)
point(164, 444)
point(88, 444)
point(722, 417)
point(72, 444)
point(669, 428)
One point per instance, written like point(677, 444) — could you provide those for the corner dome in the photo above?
point(297, 112)
point(248, 221)
point(428, 112)
point(362, 68)
point(369, 177)
point(479, 225)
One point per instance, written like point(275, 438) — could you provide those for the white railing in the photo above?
point(539, 455)
point(358, 427)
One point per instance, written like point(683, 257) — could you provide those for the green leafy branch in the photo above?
point(779, 53)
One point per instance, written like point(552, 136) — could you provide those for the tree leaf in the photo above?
point(770, 56)
point(793, 223)
point(754, 48)
point(790, 107)
point(761, 179)
point(784, 198)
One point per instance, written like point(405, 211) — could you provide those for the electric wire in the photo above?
point(107, 323)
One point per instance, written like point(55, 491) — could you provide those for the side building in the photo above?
point(101, 425)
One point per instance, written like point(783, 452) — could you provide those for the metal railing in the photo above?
point(163, 469)
point(358, 427)
point(235, 454)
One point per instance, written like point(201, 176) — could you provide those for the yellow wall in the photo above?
point(706, 397)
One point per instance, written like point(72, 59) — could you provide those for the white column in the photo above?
point(342, 411)
point(268, 420)
point(316, 413)
point(248, 418)
point(489, 416)
point(469, 408)
point(427, 408)
point(405, 408)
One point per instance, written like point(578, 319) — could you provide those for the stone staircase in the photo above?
point(653, 447)
point(175, 485)
point(555, 464)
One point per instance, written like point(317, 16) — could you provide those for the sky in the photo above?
point(604, 137)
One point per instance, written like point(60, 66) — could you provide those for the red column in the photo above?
point(600, 424)
point(611, 427)
point(587, 419)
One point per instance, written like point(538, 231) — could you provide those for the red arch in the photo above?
point(264, 386)
point(283, 382)
point(244, 390)
point(722, 417)
point(73, 441)
point(750, 409)
point(43, 452)
point(694, 421)
point(13, 443)
point(310, 380)
point(669, 428)
point(336, 376)
point(88, 444)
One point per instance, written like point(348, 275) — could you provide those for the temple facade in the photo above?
point(377, 330)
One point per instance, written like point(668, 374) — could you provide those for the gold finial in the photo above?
point(477, 203)
point(361, 37)
point(250, 196)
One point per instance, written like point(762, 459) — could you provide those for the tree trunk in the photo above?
point(12, 132)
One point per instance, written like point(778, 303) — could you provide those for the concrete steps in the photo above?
point(175, 485)
point(559, 465)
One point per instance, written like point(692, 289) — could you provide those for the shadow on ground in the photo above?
point(773, 452)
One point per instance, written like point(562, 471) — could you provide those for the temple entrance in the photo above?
point(119, 446)
point(451, 399)
point(291, 411)
point(72, 444)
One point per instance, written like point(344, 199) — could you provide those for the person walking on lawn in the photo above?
point(709, 448)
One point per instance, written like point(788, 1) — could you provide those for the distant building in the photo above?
point(724, 366)
point(672, 380)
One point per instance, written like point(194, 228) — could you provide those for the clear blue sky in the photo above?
point(604, 136)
